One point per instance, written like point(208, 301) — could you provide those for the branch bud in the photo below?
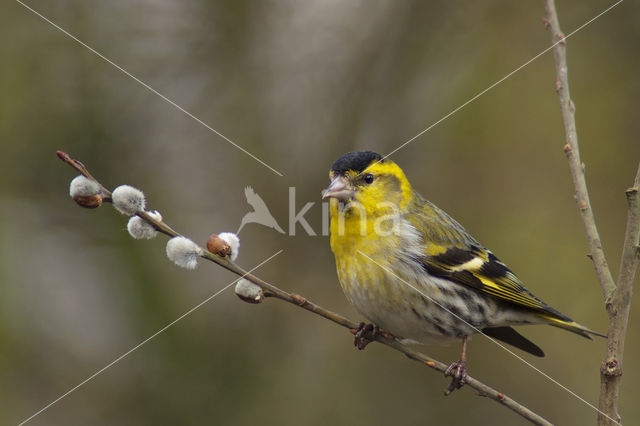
point(128, 200)
point(183, 252)
point(88, 201)
point(234, 244)
point(558, 86)
point(546, 22)
point(85, 192)
point(141, 229)
point(561, 38)
point(611, 367)
point(248, 291)
point(218, 246)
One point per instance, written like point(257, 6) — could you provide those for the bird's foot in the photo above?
point(365, 334)
point(458, 371)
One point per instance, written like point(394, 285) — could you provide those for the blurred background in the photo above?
point(297, 84)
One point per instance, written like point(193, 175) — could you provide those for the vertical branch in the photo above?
point(572, 151)
point(617, 297)
point(618, 304)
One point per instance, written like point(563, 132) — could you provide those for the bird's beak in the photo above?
point(339, 189)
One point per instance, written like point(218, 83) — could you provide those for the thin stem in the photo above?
point(618, 306)
point(572, 152)
point(271, 290)
point(617, 296)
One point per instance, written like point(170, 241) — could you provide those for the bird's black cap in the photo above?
point(356, 161)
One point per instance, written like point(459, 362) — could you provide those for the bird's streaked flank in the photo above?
point(376, 213)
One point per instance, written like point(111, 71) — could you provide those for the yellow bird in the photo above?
point(415, 272)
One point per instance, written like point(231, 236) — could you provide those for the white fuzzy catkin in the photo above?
point(80, 186)
point(128, 200)
point(183, 252)
point(234, 244)
point(141, 229)
point(248, 291)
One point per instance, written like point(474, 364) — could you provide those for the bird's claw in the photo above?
point(458, 371)
point(365, 334)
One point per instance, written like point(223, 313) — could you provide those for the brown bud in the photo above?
point(562, 39)
point(252, 300)
point(218, 246)
point(567, 148)
point(385, 334)
point(63, 155)
point(298, 299)
point(88, 201)
point(546, 22)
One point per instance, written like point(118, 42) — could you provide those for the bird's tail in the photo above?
point(572, 326)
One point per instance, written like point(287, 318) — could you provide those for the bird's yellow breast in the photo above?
point(354, 242)
point(358, 229)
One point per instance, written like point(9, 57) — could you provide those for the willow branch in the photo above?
point(617, 296)
point(271, 291)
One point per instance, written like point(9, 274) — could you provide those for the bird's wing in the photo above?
point(249, 194)
point(476, 267)
point(254, 199)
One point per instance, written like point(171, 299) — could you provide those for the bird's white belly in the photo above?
point(411, 304)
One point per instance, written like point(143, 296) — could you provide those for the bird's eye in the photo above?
point(368, 178)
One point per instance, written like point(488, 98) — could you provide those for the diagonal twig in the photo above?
point(272, 291)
